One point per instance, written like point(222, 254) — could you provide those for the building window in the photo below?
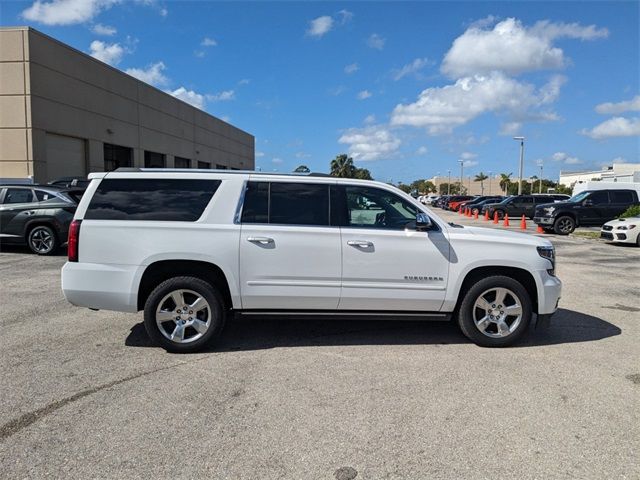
point(154, 160)
point(221, 167)
point(204, 165)
point(181, 162)
point(116, 156)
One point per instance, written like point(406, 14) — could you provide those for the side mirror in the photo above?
point(423, 222)
point(587, 203)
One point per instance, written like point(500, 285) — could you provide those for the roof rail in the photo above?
point(215, 170)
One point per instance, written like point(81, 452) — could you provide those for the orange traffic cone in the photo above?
point(523, 223)
point(506, 220)
point(539, 229)
point(459, 211)
point(486, 215)
point(468, 212)
point(475, 215)
point(495, 218)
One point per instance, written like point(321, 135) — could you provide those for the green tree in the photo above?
point(481, 177)
point(505, 181)
point(342, 166)
point(362, 174)
point(404, 187)
point(444, 188)
point(423, 186)
point(302, 169)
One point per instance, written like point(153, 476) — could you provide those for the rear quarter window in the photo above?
point(178, 200)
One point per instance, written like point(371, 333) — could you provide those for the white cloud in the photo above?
point(110, 53)
point(413, 67)
point(364, 94)
point(223, 96)
point(376, 41)
point(369, 119)
point(164, 12)
point(151, 74)
point(104, 30)
point(441, 109)
point(345, 16)
point(208, 42)
point(422, 150)
point(351, 68)
point(470, 163)
point(609, 108)
point(565, 158)
point(320, 26)
point(277, 161)
point(335, 91)
point(244, 81)
point(302, 155)
point(510, 128)
point(468, 155)
point(66, 12)
point(513, 48)
point(189, 96)
point(259, 154)
point(199, 53)
point(619, 160)
point(370, 143)
point(615, 127)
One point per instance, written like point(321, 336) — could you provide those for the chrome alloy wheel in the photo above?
point(565, 225)
point(41, 240)
point(183, 316)
point(497, 312)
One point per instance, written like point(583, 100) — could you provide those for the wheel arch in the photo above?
point(521, 275)
point(162, 270)
point(41, 222)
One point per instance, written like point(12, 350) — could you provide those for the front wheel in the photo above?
point(495, 312)
point(564, 225)
point(183, 314)
point(42, 240)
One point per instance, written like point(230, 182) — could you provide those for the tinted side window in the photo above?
point(621, 196)
point(256, 203)
point(369, 207)
point(299, 204)
point(18, 195)
point(151, 199)
point(598, 198)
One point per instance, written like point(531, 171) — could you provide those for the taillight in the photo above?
point(74, 240)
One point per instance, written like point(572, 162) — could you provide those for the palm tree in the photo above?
point(481, 177)
point(302, 169)
point(505, 181)
point(342, 166)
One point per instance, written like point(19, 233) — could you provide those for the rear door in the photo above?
point(521, 206)
point(16, 209)
point(620, 200)
point(386, 264)
point(290, 254)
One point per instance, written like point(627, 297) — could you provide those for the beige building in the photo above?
point(64, 113)
point(491, 185)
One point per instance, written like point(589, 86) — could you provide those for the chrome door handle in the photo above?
point(260, 240)
point(30, 212)
point(360, 243)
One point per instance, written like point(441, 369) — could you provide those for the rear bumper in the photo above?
point(102, 287)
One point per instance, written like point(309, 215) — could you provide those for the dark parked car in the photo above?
point(475, 204)
point(71, 182)
point(519, 205)
point(36, 215)
point(454, 200)
point(442, 201)
point(588, 208)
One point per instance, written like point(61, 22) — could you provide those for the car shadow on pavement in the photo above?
point(567, 326)
point(23, 249)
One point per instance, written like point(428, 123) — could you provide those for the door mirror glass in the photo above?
point(423, 222)
point(587, 203)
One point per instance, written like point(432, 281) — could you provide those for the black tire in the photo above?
point(216, 311)
point(466, 312)
point(548, 230)
point(564, 225)
point(42, 240)
point(500, 214)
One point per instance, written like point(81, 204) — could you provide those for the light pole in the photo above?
point(540, 164)
point(521, 140)
point(449, 184)
point(461, 162)
point(489, 182)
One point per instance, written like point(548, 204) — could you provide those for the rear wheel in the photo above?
point(495, 312)
point(42, 240)
point(564, 225)
point(183, 314)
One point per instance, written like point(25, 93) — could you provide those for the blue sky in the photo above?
point(407, 88)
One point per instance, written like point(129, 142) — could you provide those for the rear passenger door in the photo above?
point(290, 254)
point(620, 201)
point(16, 208)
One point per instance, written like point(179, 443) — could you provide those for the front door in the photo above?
point(290, 255)
point(596, 208)
point(386, 264)
point(16, 208)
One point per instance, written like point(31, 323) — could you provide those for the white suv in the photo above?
point(191, 248)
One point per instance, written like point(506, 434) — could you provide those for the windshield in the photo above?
point(579, 197)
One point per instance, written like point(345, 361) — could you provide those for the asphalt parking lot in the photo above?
point(84, 394)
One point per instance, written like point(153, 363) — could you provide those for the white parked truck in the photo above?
point(193, 247)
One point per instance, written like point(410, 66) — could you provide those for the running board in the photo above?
point(345, 315)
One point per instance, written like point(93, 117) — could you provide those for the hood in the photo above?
point(495, 235)
point(624, 221)
point(557, 204)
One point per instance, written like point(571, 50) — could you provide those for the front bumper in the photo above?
point(549, 293)
point(543, 220)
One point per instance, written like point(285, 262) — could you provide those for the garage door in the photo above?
point(65, 157)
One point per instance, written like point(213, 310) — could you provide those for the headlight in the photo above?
point(549, 210)
point(550, 254)
point(625, 227)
